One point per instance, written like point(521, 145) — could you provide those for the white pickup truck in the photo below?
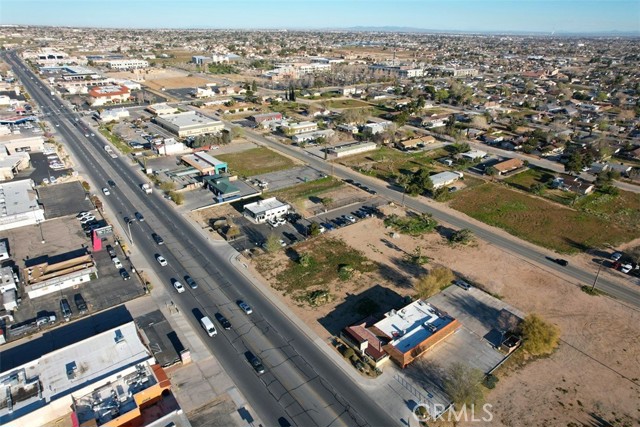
point(110, 151)
point(146, 188)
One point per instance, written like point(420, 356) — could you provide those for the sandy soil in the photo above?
point(595, 372)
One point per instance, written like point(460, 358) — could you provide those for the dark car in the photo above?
point(562, 262)
point(156, 238)
point(111, 251)
point(371, 191)
point(255, 362)
point(127, 220)
point(139, 216)
point(359, 214)
point(81, 305)
point(124, 274)
point(192, 283)
point(65, 308)
point(224, 322)
point(111, 183)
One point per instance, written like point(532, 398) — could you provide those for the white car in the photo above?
point(245, 307)
point(87, 218)
point(161, 260)
point(626, 268)
point(350, 218)
point(179, 287)
point(616, 256)
point(106, 191)
point(273, 222)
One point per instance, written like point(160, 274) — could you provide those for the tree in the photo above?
point(538, 188)
point(540, 337)
point(178, 198)
point(434, 282)
point(314, 229)
point(272, 244)
point(326, 201)
point(463, 237)
point(254, 86)
point(576, 162)
point(463, 384)
point(305, 260)
point(441, 95)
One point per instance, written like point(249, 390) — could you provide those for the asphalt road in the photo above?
point(300, 383)
point(527, 253)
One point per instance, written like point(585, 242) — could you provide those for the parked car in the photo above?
point(616, 256)
point(83, 214)
point(179, 287)
point(139, 216)
point(124, 274)
point(626, 268)
point(86, 219)
point(111, 251)
point(255, 362)
point(159, 240)
point(81, 304)
point(273, 222)
point(464, 285)
point(224, 322)
point(350, 218)
point(161, 260)
point(245, 307)
point(65, 308)
point(116, 262)
point(192, 283)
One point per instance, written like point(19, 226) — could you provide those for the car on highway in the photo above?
point(616, 256)
point(562, 262)
point(245, 307)
point(179, 287)
point(161, 260)
point(127, 220)
point(224, 322)
point(111, 183)
point(124, 274)
point(192, 283)
point(139, 216)
point(255, 362)
point(156, 238)
point(106, 191)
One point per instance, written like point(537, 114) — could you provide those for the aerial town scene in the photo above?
point(319, 213)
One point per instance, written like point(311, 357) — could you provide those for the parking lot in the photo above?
point(289, 177)
point(61, 236)
point(64, 199)
point(41, 168)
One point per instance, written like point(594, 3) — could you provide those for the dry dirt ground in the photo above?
point(173, 80)
point(594, 373)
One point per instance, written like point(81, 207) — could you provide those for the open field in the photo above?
point(300, 195)
point(176, 82)
point(346, 103)
point(385, 163)
point(542, 222)
point(599, 336)
point(532, 176)
point(256, 161)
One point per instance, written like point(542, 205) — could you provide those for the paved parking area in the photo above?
point(183, 93)
point(40, 169)
point(64, 199)
point(290, 177)
point(63, 235)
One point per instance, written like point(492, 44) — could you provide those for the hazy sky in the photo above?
point(452, 15)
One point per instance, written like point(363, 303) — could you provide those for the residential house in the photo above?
point(365, 342)
point(573, 184)
point(474, 154)
point(412, 144)
point(621, 168)
point(443, 179)
point(508, 166)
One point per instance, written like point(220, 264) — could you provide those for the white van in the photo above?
point(207, 324)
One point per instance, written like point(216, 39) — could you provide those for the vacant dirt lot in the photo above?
point(177, 82)
point(594, 373)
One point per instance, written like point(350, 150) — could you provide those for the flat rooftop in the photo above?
point(189, 118)
point(412, 324)
point(352, 145)
point(264, 205)
point(60, 372)
point(17, 197)
point(204, 158)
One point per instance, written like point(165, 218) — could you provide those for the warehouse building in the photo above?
point(189, 123)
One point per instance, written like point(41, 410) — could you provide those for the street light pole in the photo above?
point(597, 275)
point(130, 235)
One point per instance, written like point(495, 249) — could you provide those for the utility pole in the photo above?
point(597, 275)
point(130, 235)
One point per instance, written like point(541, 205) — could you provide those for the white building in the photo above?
point(127, 64)
point(189, 123)
point(113, 115)
point(264, 210)
point(312, 136)
point(8, 288)
point(297, 128)
point(445, 178)
point(351, 148)
point(19, 205)
point(171, 147)
point(36, 391)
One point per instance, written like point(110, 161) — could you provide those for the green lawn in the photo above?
point(256, 161)
point(346, 103)
point(118, 142)
point(598, 221)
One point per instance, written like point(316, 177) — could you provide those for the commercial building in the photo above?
point(312, 136)
point(266, 209)
point(170, 147)
point(365, 342)
point(127, 64)
point(189, 123)
point(413, 330)
point(205, 164)
point(443, 179)
point(19, 205)
point(297, 128)
point(102, 95)
point(265, 119)
point(108, 379)
point(222, 186)
point(403, 72)
point(45, 275)
point(351, 148)
point(200, 60)
point(8, 288)
point(161, 109)
point(113, 115)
